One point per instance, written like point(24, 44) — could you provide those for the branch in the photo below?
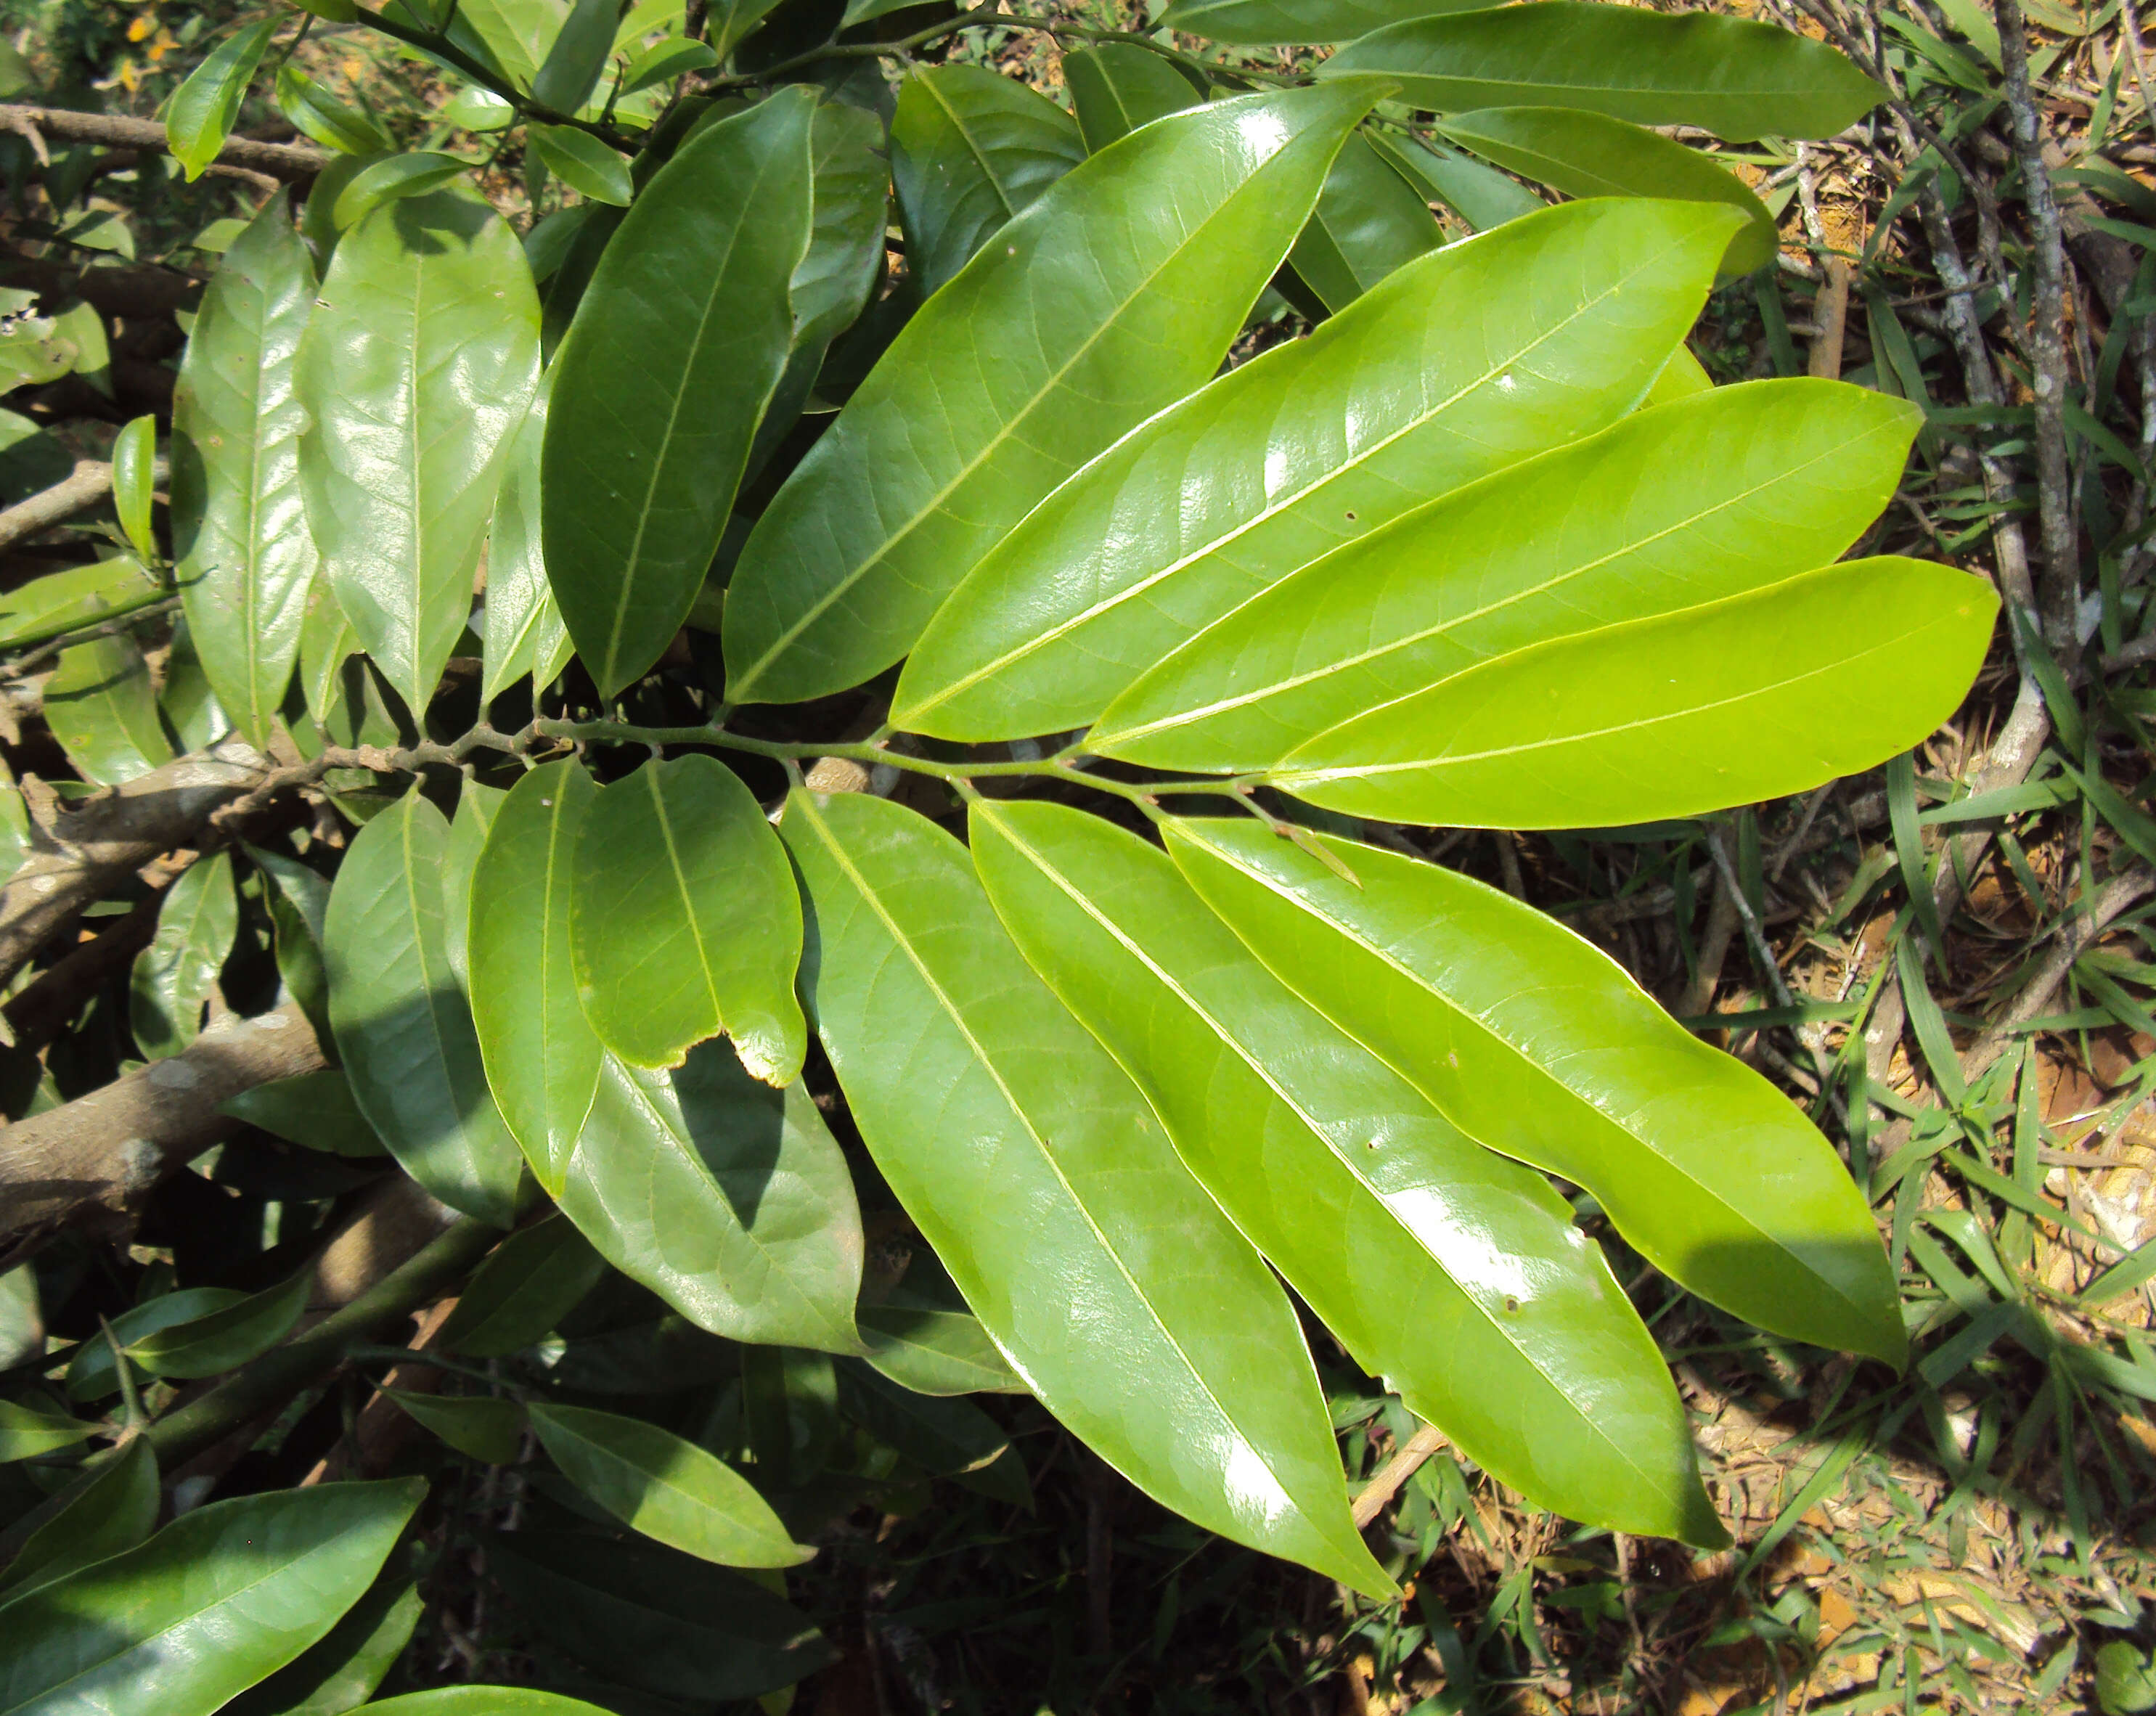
point(73, 494)
point(138, 293)
point(42, 1010)
point(293, 163)
point(98, 1156)
point(1370, 1500)
point(85, 852)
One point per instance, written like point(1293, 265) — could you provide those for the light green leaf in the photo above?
point(583, 163)
point(417, 366)
point(932, 1347)
point(333, 123)
point(37, 348)
point(523, 632)
point(1456, 1275)
point(1469, 360)
point(473, 109)
point(1037, 1172)
point(729, 1199)
point(298, 900)
point(174, 975)
point(674, 352)
point(216, 1601)
point(110, 1507)
point(1478, 194)
point(1719, 495)
point(191, 709)
point(1268, 23)
point(403, 1026)
point(225, 1339)
point(386, 179)
point(1754, 696)
point(969, 149)
point(1114, 294)
point(684, 920)
point(527, 1284)
point(62, 602)
point(1368, 221)
point(1735, 78)
point(667, 1489)
point(728, 22)
point(134, 477)
point(577, 56)
point(1540, 1045)
point(1590, 155)
point(339, 1671)
point(665, 60)
point(488, 1428)
point(542, 1056)
point(205, 108)
point(26, 1432)
point(477, 805)
point(103, 709)
point(1119, 86)
point(314, 1110)
point(518, 32)
point(481, 1701)
point(91, 1374)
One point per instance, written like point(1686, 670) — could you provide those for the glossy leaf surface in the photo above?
point(969, 149)
point(134, 478)
point(385, 178)
point(483, 1700)
point(1264, 22)
point(111, 1509)
point(665, 1487)
point(102, 708)
point(1542, 1046)
point(1368, 221)
point(1118, 86)
point(1115, 294)
point(205, 108)
point(246, 559)
point(1034, 1168)
point(417, 366)
point(522, 630)
point(1472, 359)
point(527, 1284)
point(684, 920)
point(542, 1056)
point(675, 350)
point(211, 1604)
point(727, 1198)
point(1751, 697)
point(1735, 78)
point(517, 32)
point(653, 1618)
point(1587, 154)
point(339, 1671)
point(404, 1028)
point(177, 971)
point(1726, 492)
point(1457, 1276)
point(206, 1346)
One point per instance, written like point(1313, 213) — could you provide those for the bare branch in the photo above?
point(289, 161)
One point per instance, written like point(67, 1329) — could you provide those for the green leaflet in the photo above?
point(1266, 22)
point(1590, 155)
point(673, 357)
point(91, 1374)
point(416, 366)
point(216, 1601)
point(1471, 359)
point(177, 971)
point(1454, 1275)
point(933, 1347)
point(384, 178)
point(943, 1437)
point(66, 601)
point(1478, 195)
point(482, 1701)
point(134, 479)
point(1727, 492)
point(107, 1509)
point(485, 1427)
point(1035, 1169)
point(517, 32)
point(684, 920)
point(527, 1284)
point(667, 1489)
point(583, 163)
point(1368, 221)
point(969, 149)
point(1737, 78)
point(651, 1617)
point(334, 124)
point(568, 76)
point(1119, 86)
point(339, 1670)
point(477, 806)
point(26, 1433)
point(103, 709)
point(541, 1057)
point(1113, 295)
point(1540, 1045)
point(402, 1026)
point(523, 632)
point(225, 1338)
point(729, 1199)
point(204, 108)
point(313, 1110)
point(1754, 696)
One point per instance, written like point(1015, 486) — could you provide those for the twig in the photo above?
point(1832, 314)
point(293, 163)
point(2075, 937)
point(1370, 1499)
point(73, 494)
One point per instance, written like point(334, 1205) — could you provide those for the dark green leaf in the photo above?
point(315, 1111)
point(1264, 22)
point(91, 1374)
point(102, 708)
point(403, 1026)
point(583, 163)
point(577, 56)
point(1113, 295)
point(674, 355)
point(204, 108)
point(943, 1437)
point(134, 477)
point(110, 1508)
point(1368, 221)
point(1478, 195)
point(934, 1348)
point(1119, 86)
point(417, 365)
point(477, 803)
point(177, 971)
point(531, 1280)
point(491, 1430)
point(684, 920)
point(214, 1602)
point(1735, 78)
point(342, 1669)
point(206, 1346)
